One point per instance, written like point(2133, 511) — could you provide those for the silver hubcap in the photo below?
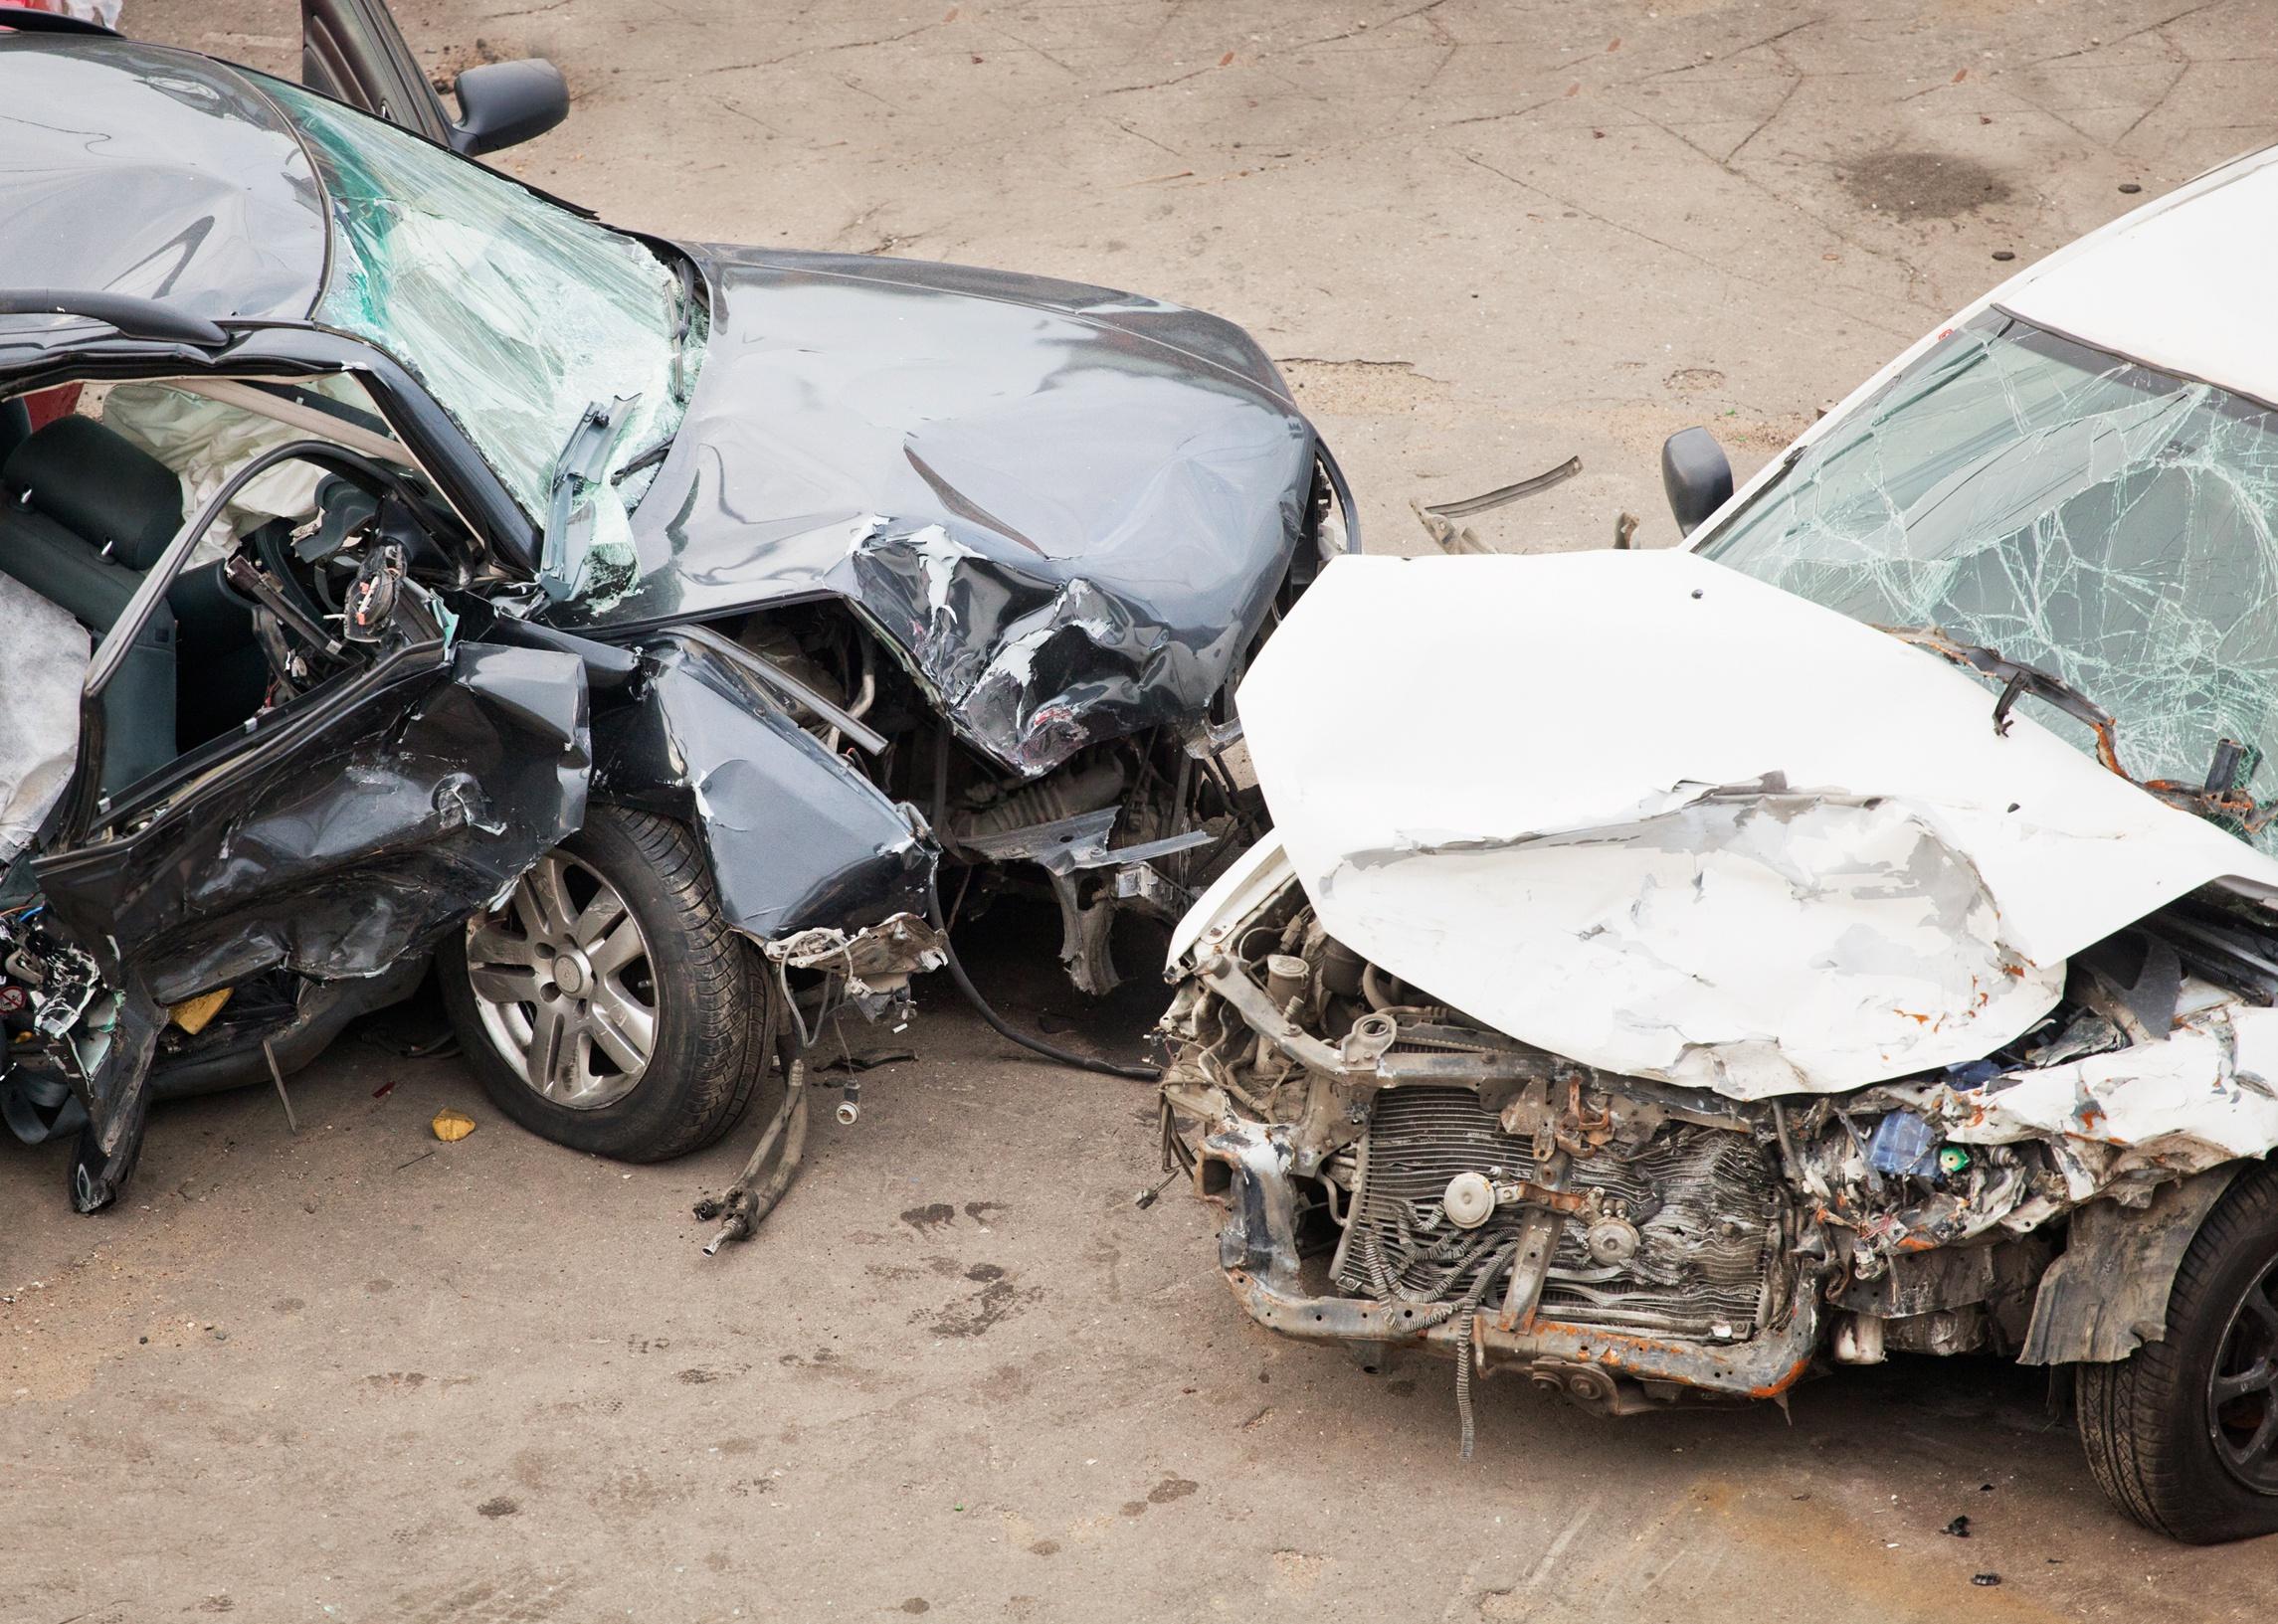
point(564, 980)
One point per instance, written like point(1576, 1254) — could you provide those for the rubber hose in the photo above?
point(1004, 1028)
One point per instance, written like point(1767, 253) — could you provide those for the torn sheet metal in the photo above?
point(1778, 850)
point(1065, 511)
point(338, 862)
point(794, 836)
point(42, 661)
point(339, 855)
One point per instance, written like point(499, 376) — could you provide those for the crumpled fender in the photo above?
point(795, 837)
point(2107, 1294)
point(1064, 511)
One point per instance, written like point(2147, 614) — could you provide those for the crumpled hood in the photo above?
point(1066, 509)
point(1661, 819)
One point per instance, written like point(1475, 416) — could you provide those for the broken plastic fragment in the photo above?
point(1905, 1145)
point(192, 1014)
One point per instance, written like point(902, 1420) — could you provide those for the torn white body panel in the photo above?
point(42, 661)
point(1660, 818)
point(2152, 1111)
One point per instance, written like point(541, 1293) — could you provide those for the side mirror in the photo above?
point(504, 103)
point(1696, 475)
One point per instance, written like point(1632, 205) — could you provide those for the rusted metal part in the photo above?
point(1259, 1236)
point(1764, 1367)
point(1232, 982)
point(1538, 1240)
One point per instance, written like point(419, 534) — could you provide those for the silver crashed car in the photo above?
point(1853, 932)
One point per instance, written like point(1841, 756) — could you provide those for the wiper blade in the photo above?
point(686, 272)
point(2019, 679)
point(2220, 797)
point(577, 470)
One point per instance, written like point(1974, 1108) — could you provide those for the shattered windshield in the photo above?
point(514, 312)
point(2112, 525)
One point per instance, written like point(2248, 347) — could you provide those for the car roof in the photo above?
point(2182, 284)
point(135, 169)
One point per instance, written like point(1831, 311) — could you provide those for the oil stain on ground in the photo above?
point(1917, 185)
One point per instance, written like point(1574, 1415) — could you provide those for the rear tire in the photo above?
point(2183, 1434)
point(654, 1022)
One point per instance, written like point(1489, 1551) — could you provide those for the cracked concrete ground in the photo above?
point(354, 1374)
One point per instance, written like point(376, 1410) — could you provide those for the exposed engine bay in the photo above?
point(1392, 1170)
point(1671, 1064)
point(1131, 826)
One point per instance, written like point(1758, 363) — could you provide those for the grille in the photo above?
point(1706, 1203)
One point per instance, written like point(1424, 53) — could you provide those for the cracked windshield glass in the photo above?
point(2107, 523)
point(514, 312)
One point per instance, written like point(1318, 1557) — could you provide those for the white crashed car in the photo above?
point(1855, 932)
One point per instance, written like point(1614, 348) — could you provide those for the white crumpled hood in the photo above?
point(1661, 819)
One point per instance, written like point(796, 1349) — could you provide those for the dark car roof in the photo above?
point(130, 168)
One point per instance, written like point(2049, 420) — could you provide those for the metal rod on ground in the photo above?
point(276, 1076)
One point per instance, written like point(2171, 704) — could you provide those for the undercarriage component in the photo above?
point(1763, 1368)
point(750, 1198)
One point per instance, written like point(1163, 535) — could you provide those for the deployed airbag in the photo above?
point(42, 661)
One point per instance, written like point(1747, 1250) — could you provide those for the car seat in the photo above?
point(83, 514)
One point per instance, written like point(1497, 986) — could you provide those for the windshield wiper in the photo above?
point(577, 470)
point(2219, 798)
point(2019, 679)
point(685, 271)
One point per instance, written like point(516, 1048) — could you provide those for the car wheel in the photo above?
point(2183, 1434)
point(607, 1005)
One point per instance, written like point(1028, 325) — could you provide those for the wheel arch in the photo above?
point(2107, 1294)
point(794, 838)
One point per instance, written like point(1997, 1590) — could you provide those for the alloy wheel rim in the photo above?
point(566, 987)
point(2242, 1387)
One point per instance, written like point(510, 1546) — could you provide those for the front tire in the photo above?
point(2183, 1434)
point(607, 1006)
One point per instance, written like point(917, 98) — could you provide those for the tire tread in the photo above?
point(2136, 1414)
point(719, 993)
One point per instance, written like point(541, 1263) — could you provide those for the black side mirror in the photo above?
point(1696, 475)
point(504, 103)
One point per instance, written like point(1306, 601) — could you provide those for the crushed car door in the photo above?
point(353, 50)
point(335, 835)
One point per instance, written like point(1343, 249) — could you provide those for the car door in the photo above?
point(353, 50)
point(335, 837)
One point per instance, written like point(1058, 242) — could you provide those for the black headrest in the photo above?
point(98, 486)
